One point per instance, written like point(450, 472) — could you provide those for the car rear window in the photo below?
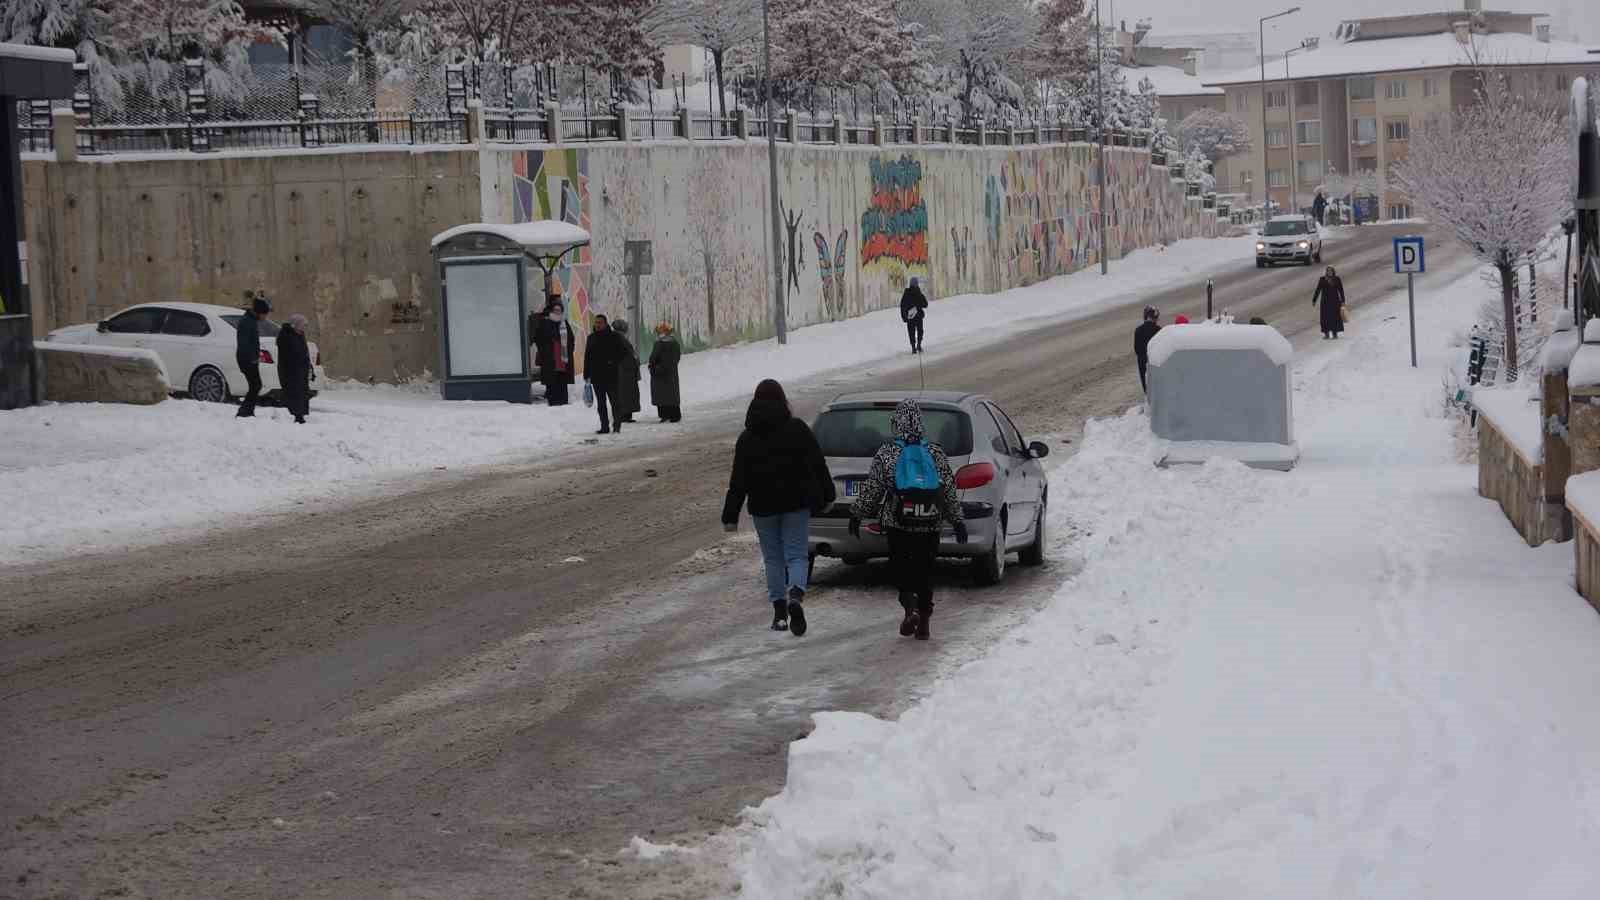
point(267, 327)
point(860, 431)
point(1274, 228)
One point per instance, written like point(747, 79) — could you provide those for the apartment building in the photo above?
point(1348, 105)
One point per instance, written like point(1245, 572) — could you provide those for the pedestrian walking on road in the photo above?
point(247, 352)
point(602, 362)
point(780, 474)
point(1330, 290)
point(911, 492)
point(1141, 342)
point(294, 368)
point(1319, 207)
point(664, 391)
point(553, 346)
point(913, 310)
point(627, 376)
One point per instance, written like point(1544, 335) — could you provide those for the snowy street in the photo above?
point(478, 684)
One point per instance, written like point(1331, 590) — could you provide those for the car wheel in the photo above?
point(991, 567)
point(1033, 554)
point(208, 385)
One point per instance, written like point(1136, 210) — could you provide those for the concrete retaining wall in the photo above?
point(73, 373)
point(1517, 484)
point(343, 236)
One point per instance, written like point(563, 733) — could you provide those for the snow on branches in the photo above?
point(1495, 173)
point(1213, 133)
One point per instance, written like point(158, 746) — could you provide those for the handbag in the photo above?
point(588, 394)
point(1344, 313)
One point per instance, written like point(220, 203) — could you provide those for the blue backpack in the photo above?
point(916, 487)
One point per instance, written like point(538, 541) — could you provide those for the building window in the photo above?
point(1310, 170)
point(1361, 88)
point(1399, 210)
point(1396, 89)
point(1245, 178)
point(1277, 178)
point(1305, 93)
point(1277, 99)
point(1308, 132)
point(1277, 137)
point(1241, 101)
point(1398, 130)
point(1364, 130)
point(1429, 87)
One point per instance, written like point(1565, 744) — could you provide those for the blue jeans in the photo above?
point(784, 550)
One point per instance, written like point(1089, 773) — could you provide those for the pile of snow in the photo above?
point(1585, 370)
point(1349, 681)
point(1583, 497)
point(1220, 336)
point(1515, 414)
point(1562, 345)
point(78, 478)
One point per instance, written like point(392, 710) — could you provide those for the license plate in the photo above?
point(850, 487)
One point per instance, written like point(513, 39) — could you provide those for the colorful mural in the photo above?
point(554, 184)
point(894, 228)
point(833, 275)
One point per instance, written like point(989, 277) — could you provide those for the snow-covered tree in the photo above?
point(818, 45)
point(478, 30)
point(723, 27)
point(1216, 134)
point(1060, 49)
point(615, 40)
point(1495, 172)
point(368, 22)
point(979, 47)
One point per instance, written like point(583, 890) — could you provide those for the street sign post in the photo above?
point(1408, 258)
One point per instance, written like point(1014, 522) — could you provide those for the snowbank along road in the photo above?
point(489, 686)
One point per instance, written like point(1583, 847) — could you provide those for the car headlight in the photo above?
point(1305, 245)
point(1260, 246)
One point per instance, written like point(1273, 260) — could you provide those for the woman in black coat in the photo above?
point(294, 368)
point(553, 344)
point(778, 468)
point(664, 390)
point(1330, 290)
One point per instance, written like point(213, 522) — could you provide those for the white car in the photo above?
point(1289, 239)
point(196, 343)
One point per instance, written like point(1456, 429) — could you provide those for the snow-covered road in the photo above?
point(1351, 680)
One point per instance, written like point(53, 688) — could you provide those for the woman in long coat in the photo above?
point(553, 344)
point(627, 375)
point(1330, 290)
point(294, 368)
point(664, 359)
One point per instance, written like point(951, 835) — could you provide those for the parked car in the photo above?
point(1289, 239)
point(196, 343)
point(1000, 481)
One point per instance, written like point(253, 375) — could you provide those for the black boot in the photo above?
point(924, 614)
point(908, 625)
point(780, 616)
point(797, 614)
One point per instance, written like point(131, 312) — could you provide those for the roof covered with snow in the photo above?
point(1169, 81)
point(1220, 336)
point(41, 54)
point(1429, 51)
point(546, 237)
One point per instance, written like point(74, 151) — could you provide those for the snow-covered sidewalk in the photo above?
point(78, 478)
point(1350, 680)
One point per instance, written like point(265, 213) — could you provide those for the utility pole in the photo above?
point(1100, 94)
point(1266, 183)
point(780, 319)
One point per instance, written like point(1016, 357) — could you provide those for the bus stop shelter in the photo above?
point(483, 303)
point(26, 73)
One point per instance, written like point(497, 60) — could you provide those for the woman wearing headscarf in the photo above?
point(627, 375)
point(294, 368)
point(664, 357)
point(553, 343)
point(778, 468)
point(1330, 290)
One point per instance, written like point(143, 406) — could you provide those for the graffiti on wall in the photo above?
point(833, 275)
point(894, 228)
point(797, 256)
point(554, 184)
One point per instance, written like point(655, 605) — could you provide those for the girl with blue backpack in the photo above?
point(911, 492)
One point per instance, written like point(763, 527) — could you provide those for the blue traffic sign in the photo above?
point(1408, 254)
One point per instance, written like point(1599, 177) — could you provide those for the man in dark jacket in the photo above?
point(602, 362)
point(913, 309)
point(247, 352)
point(1141, 342)
point(1319, 207)
point(912, 545)
point(779, 469)
point(294, 368)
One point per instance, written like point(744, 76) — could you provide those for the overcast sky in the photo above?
point(1319, 18)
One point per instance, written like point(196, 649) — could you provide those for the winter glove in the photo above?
point(730, 527)
point(855, 527)
point(961, 532)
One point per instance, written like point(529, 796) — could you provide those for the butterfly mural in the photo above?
point(833, 274)
point(960, 247)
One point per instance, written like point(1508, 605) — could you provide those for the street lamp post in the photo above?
point(1266, 183)
point(780, 319)
point(1294, 134)
point(1100, 101)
